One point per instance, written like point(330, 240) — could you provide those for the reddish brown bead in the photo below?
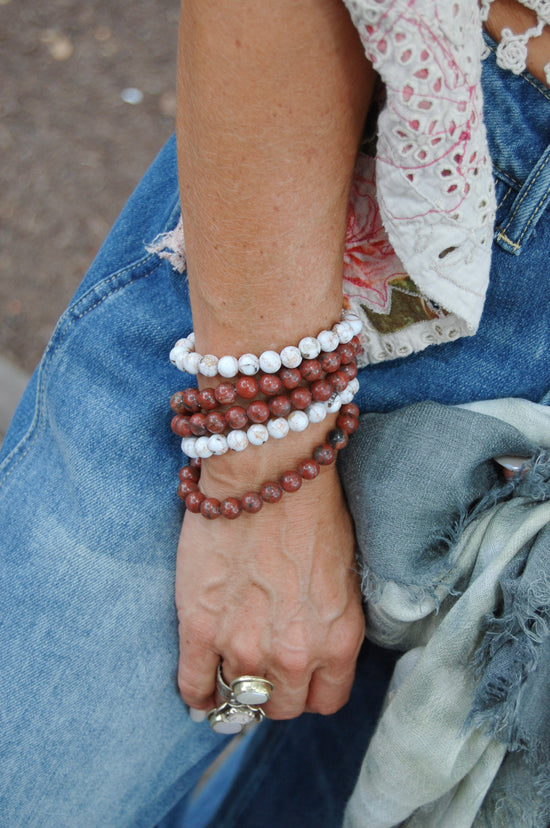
point(225, 393)
point(193, 501)
point(270, 384)
point(349, 371)
point(337, 438)
point(321, 391)
point(347, 423)
point(198, 425)
point(300, 398)
point(347, 353)
point(195, 462)
point(324, 455)
point(350, 408)
point(235, 417)
point(231, 508)
point(338, 380)
point(258, 412)
point(356, 345)
point(215, 422)
point(191, 400)
point(251, 502)
point(180, 426)
point(310, 370)
point(280, 406)
point(330, 362)
point(186, 487)
point(211, 508)
point(189, 473)
point(290, 481)
point(271, 492)
point(290, 377)
point(177, 403)
point(207, 399)
point(247, 387)
point(309, 469)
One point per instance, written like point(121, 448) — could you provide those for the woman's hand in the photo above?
point(273, 594)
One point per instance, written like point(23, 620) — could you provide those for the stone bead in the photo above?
point(290, 377)
point(217, 444)
point(291, 356)
point(228, 366)
point(258, 412)
point(343, 331)
point(278, 428)
point(237, 440)
point(346, 396)
point(257, 434)
point(271, 492)
point(337, 438)
point(356, 342)
point(189, 473)
point(349, 371)
point(270, 384)
point(185, 487)
point(330, 362)
point(191, 400)
point(190, 338)
point(347, 422)
point(300, 398)
point(298, 420)
point(207, 399)
point(215, 422)
point(354, 322)
point(354, 385)
point(236, 417)
point(193, 501)
point(316, 412)
point(321, 391)
point(201, 447)
point(338, 380)
point(247, 387)
point(290, 481)
point(230, 508)
point(191, 363)
point(249, 364)
point(334, 404)
point(177, 357)
point(309, 347)
point(328, 340)
point(311, 370)
point(251, 502)
point(208, 365)
point(225, 393)
point(180, 426)
point(197, 423)
point(177, 403)
point(352, 409)
point(309, 469)
point(188, 446)
point(210, 508)
point(347, 353)
point(270, 362)
point(280, 406)
point(195, 462)
point(324, 454)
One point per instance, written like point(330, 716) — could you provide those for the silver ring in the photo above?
point(252, 690)
point(230, 719)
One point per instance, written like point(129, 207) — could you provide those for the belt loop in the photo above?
point(528, 206)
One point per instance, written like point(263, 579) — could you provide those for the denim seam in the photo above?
point(522, 199)
point(35, 427)
point(506, 177)
point(505, 196)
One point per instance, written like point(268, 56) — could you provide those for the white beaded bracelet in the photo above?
point(185, 358)
point(257, 433)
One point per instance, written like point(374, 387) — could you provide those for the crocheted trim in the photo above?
point(512, 50)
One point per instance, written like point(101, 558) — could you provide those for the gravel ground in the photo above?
point(86, 101)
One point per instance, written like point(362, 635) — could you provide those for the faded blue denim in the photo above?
point(93, 732)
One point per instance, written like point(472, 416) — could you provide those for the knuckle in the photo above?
point(295, 664)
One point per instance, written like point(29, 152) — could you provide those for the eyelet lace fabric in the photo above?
point(512, 49)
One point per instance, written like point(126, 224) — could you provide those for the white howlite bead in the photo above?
point(191, 339)
point(217, 444)
point(188, 446)
point(181, 356)
point(187, 343)
point(316, 412)
point(291, 356)
point(208, 365)
point(334, 404)
point(228, 366)
point(298, 420)
point(309, 347)
point(191, 363)
point(328, 340)
point(353, 320)
point(343, 331)
point(175, 353)
point(257, 434)
point(237, 440)
point(346, 396)
point(278, 428)
point(270, 362)
point(249, 364)
point(201, 447)
point(354, 386)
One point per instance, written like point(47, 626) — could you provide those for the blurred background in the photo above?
point(87, 99)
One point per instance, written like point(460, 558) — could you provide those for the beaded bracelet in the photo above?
point(185, 358)
point(271, 491)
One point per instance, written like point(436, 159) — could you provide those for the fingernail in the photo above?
point(197, 715)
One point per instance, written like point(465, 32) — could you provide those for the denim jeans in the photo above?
point(93, 732)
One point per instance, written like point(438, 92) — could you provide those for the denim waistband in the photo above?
point(517, 116)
